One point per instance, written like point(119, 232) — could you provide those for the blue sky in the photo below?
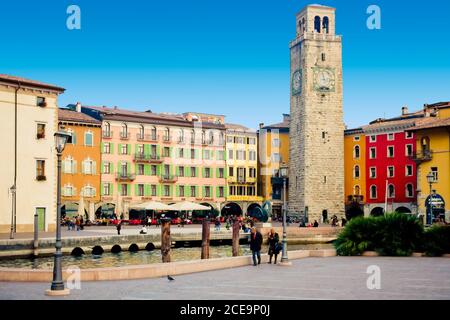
point(224, 56)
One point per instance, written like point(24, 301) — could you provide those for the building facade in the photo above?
point(316, 169)
point(29, 120)
point(273, 143)
point(355, 172)
point(242, 170)
point(163, 157)
point(81, 161)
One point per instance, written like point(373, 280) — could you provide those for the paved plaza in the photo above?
point(310, 278)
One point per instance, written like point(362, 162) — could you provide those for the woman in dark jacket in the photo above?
point(274, 245)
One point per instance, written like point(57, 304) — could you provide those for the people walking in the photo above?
point(119, 227)
point(274, 245)
point(255, 246)
point(77, 223)
point(217, 225)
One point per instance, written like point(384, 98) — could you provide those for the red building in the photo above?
point(390, 168)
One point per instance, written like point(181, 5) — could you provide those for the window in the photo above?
point(275, 142)
point(88, 139)
point(181, 153)
point(373, 192)
point(373, 153)
point(241, 172)
point(409, 191)
point(434, 172)
point(88, 167)
point(207, 172)
point(73, 138)
point(221, 155)
point(40, 170)
point(252, 141)
point(181, 136)
point(181, 171)
point(230, 154)
point(140, 169)
point(88, 191)
point(203, 137)
point(40, 102)
point(106, 168)
point(141, 133)
point(276, 157)
point(221, 173)
point(221, 139)
point(356, 172)
point(153, 150)
point(107, 130)
point(408, 135)
point(193, 172)
point(153, 133)
point(192, 153)
point(207, 192)
point(240, 155)
point(193, 191)
point(69, 165)
point(211, 138)
point(124, 190)
point(206, 154)
point(153, 170)
point(181, 191)
point(106, 189)
point(140, 190)
point(193, 136)
point(325, 25)
point(409, 170)
point(231, 171)
point(124, 131)
point(124, 149)
point(140, 149)
point(166, 191)
point(391, 191)
point(373, 138)
point(390, 151)
point(221, 192)
point(106, 148)
point(166, 152)
point(252, 155)
point(317, 24)
point(323, 57)
point(390, 137)
point(356, 190)
point(356, 138)
point(166, 134)
point(40, 132)
point(124, 167)
point(230, 139)
point(153, 190)
point(409, 150)
point(356, 152)
point(373, 172)
point(390, 172)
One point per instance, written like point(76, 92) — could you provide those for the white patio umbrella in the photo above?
point(152, 205)
point(187, 206)
point(81, 207)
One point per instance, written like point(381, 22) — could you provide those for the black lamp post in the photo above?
point(431, 180)
point(57, 287)
point(284, 257)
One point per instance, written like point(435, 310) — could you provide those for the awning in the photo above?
point(151, 205)
point(188, 206)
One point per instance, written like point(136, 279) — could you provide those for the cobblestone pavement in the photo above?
point(310, 278)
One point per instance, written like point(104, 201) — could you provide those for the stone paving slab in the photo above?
point(310, 278)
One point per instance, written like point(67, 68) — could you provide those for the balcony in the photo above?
point(168, 178)
point(166, 139)
point(147, 158)
point(124, 136)
point(422, 156)
point(125, 177)
point(355, 199)
point(146, 137)
point(41, 178)
point(107, 134)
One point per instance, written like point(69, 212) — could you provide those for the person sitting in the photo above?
point(143, 230)
point(316, 224)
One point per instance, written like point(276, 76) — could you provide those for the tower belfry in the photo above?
point(316, 174)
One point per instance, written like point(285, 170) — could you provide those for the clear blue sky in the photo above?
point(224, 56)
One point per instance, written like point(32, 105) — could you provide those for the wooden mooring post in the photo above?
point(165, 240)
point(236, 228)
point(205, 238)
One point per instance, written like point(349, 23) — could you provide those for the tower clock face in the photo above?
point(297, 83)
point(324, 80)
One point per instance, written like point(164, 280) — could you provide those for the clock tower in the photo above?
point(316, 163)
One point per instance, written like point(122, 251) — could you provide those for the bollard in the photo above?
point(236, 229)
point(36, 235)
point(205, 238)
point(165, 240)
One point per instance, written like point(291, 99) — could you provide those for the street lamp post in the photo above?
point(57, 287)
point(284, 256)
point(430, 179)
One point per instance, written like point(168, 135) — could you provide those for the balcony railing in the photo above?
point(151, 158)
point(168, 178)
point(124, 136)
point(166, 138)
point(125, 176)
point(421, 156)
point(146, 137)
point(41, 178)
point(107, 134)
point(355, 198)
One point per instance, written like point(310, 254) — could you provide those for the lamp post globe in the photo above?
point(57, 287)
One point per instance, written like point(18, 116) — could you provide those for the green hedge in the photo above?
point(394, 234)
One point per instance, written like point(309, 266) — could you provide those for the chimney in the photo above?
point(78, 107)
point(405, 111)
point(286, 117)
point(261, 125)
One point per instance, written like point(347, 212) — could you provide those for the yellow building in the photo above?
point(273, 143)
point(355, 172)
point(242, 170)
point(433, 156)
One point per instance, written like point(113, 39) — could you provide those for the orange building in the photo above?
point(354, 175)
point(81, 160)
